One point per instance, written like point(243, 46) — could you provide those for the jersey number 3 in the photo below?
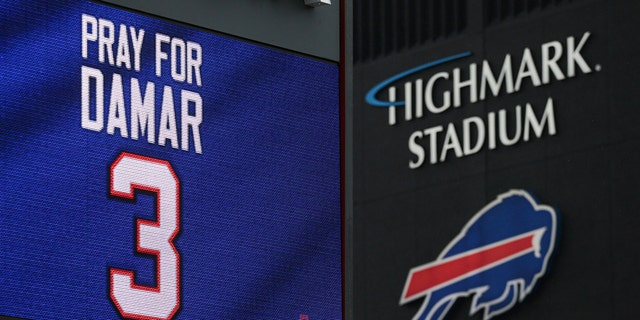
point(130, 172)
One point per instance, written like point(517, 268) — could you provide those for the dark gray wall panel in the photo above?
point(588, 171)
point(288, 24)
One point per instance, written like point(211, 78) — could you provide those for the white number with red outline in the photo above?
point(130, 172)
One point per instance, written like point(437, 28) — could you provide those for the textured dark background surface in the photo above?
point(588, 171)
point(287, 24)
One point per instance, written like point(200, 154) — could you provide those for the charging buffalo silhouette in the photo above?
point(497, 258)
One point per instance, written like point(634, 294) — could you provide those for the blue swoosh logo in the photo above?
point(371, 95)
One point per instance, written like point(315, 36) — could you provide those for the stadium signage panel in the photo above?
point(422, 95)
point(156, 171)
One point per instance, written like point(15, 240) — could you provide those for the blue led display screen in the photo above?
point(156, 171)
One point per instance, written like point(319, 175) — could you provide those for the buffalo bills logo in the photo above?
point(497, 258)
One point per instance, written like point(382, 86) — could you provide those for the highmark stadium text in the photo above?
point(559, 60)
